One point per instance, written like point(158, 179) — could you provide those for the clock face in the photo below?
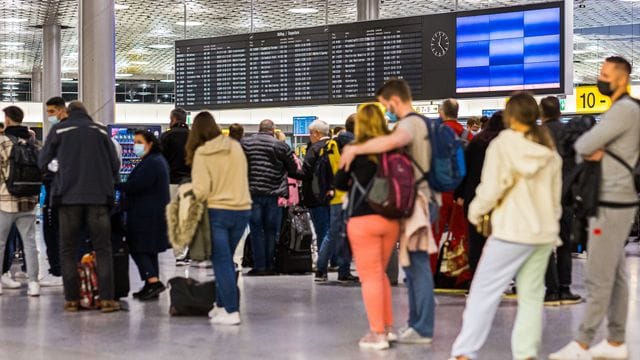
point(440, 44)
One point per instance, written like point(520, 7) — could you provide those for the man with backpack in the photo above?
point(615, 142)
point(18, 165)
point(411, 132)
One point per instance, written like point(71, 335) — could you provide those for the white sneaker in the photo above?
point(214, 312)
point(392, 336)
point(51, 281)
point(224, 318)
point(8, 282)
point(21, 275)
point(374, 342)
point(34, 288)
point(202, 264)
point(606, 351)
point(573, 351)
point(410, 336)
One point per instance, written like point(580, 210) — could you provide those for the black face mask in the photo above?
point(605, 88)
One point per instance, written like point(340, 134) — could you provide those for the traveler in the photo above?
point(411, 132)
point(56, 112)
point(558, 278)
point(270, 161)
point(334, 243)
point(473, 125)
point(220, 177)
point(475, 158)
point(83, 191)
point(18, 210)
point(617, 134)
point(484, 122)
point(147, 195)
point(236, 131)
point(372, 236)
point(520, 187)
point(12, 247)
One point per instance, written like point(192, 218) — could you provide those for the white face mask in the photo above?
point(53, 120)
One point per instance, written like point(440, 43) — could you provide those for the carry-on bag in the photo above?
point(190, 297)
point(293, 253)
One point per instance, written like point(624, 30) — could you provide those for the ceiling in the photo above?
point(141, 23)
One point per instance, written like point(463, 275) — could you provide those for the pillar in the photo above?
point(96, 59)
point(51, 73)
point(368, 10)
point(36, 84)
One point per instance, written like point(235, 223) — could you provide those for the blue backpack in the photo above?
point(448, 167)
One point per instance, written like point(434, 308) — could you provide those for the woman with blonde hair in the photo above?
point(372, 236)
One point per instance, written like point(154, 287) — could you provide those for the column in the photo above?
point(36, 84)
point(96, 59)
point(368, 10)
point(51, 75)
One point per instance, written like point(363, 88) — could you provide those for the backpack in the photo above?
point(634, 170)
point(448, 167)
point(322, 182)
point(392, 191)
point(25, 177)
point(89, 295)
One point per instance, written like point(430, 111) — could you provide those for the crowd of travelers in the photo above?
point(479, 207)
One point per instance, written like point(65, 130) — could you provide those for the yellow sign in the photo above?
point(589, 100)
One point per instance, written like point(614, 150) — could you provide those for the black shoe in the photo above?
point(551, 299)
point(153, 291)
point(333, 269)
point(348, 279)
point(256, 272)
point(321, 277)
point(569, 298)
point(141, 291)
point(270, 272)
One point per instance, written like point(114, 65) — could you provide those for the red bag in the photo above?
point(453, 270)
point(89, 295)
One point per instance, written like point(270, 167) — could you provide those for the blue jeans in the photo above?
point(321, 216)
point(335, 243)
point(227, 227)
point(266, 218)
point(421, 300)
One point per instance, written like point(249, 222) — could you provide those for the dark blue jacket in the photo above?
point(147, 195)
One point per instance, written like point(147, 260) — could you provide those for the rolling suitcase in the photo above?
point(120, 250)
point(293, 253)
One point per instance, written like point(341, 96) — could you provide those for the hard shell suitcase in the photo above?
point(293, 253)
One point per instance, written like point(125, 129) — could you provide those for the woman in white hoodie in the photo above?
point(521, 188)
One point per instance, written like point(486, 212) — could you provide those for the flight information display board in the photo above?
point(489, 52)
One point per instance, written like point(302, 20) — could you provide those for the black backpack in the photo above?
point(322, 183)
point(25, 177)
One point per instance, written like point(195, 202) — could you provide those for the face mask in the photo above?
point(138, 149)
point(605, 88)
point(53, 120)
point(390, 115)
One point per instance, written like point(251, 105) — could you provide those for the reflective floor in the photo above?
point(283, 318)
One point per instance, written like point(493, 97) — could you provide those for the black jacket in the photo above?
point(557, 129)
point(270, 161)
point(173, 148)
point(308, 168)
point(147, 195)
point(364, 170)
point(88, 163)
point(344, 138)
point(20, 132)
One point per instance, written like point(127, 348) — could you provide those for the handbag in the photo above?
point(484, 225)
point(455, 259)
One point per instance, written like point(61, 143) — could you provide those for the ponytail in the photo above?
point(540, 134)
point(524, 108)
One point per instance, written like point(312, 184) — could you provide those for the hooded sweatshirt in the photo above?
point(522, 184)
point(220, 175)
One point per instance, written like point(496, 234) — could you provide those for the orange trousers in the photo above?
point(372, 239)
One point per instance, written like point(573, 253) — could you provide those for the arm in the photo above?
point(342, 180)
point(141, 180)
point(200, 178)
point(49, 151)
point(286, 156)
point(309, 164)
point(613, 126)
point(397, 139)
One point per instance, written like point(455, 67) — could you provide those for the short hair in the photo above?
point(550, 107)
point(236, 131)
point(14, 113)
point(77, 106)
point(148, 136)
point(450, 108)
point(320, 126)
point(179, 114)
point(336, 130)
point(621, 63)
point(267, 126)
point(395, 87)
point(473, 121)
point(350, 124)
point(57, 102)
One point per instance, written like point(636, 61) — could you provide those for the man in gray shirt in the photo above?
point(606, 277)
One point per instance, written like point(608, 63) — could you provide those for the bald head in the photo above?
point(449, 109)
point(267, 126)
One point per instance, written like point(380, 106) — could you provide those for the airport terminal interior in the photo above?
point(180, 94)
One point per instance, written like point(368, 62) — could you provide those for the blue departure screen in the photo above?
point(508, 51)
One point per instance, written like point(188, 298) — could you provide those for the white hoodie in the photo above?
point(528, 212)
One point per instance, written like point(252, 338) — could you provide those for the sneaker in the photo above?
point(51, 281)
point(202, 264)
point(215, 311)
point(410, 336)
point(8, 282)
point(321, 277)
point(183, 262)
point(34, 289)
point(224, 318)
point(551, 299)
point(573, 351)
point(348, 279)
point(569, 298)
point(152, 291)
point(606, 351)
point(374, 342)
point(21, 275)
point(71, 306)
point(392, 336)
point(141, 291)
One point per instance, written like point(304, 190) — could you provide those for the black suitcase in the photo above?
point(293, 253)
point(120, 250)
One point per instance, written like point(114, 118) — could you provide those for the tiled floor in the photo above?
point(284, 318)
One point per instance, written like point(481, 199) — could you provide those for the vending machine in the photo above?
point(124, 135)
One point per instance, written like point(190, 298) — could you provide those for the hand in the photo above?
point(596, 156)
point(349, 153)
point(460, 201)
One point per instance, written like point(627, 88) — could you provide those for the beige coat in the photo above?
point(416, 234)
point(188, 224)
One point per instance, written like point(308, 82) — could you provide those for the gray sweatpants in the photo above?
point(606, 274)
point(26, 224)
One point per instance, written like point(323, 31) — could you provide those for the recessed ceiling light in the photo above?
point(11, 61)
point(124, 75)
point(303, 10)
point(12, 43)
point(10, 73)
point(121, 7)
point(13, 20)
point(139, 62)
point(66, 79)
point(167, 80)
point(189, 23)
point(161, 46)
point(578, 52)
point(69, 69)
point(11, 83)
point(594, 61)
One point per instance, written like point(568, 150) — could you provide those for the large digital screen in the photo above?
point(519, 50)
